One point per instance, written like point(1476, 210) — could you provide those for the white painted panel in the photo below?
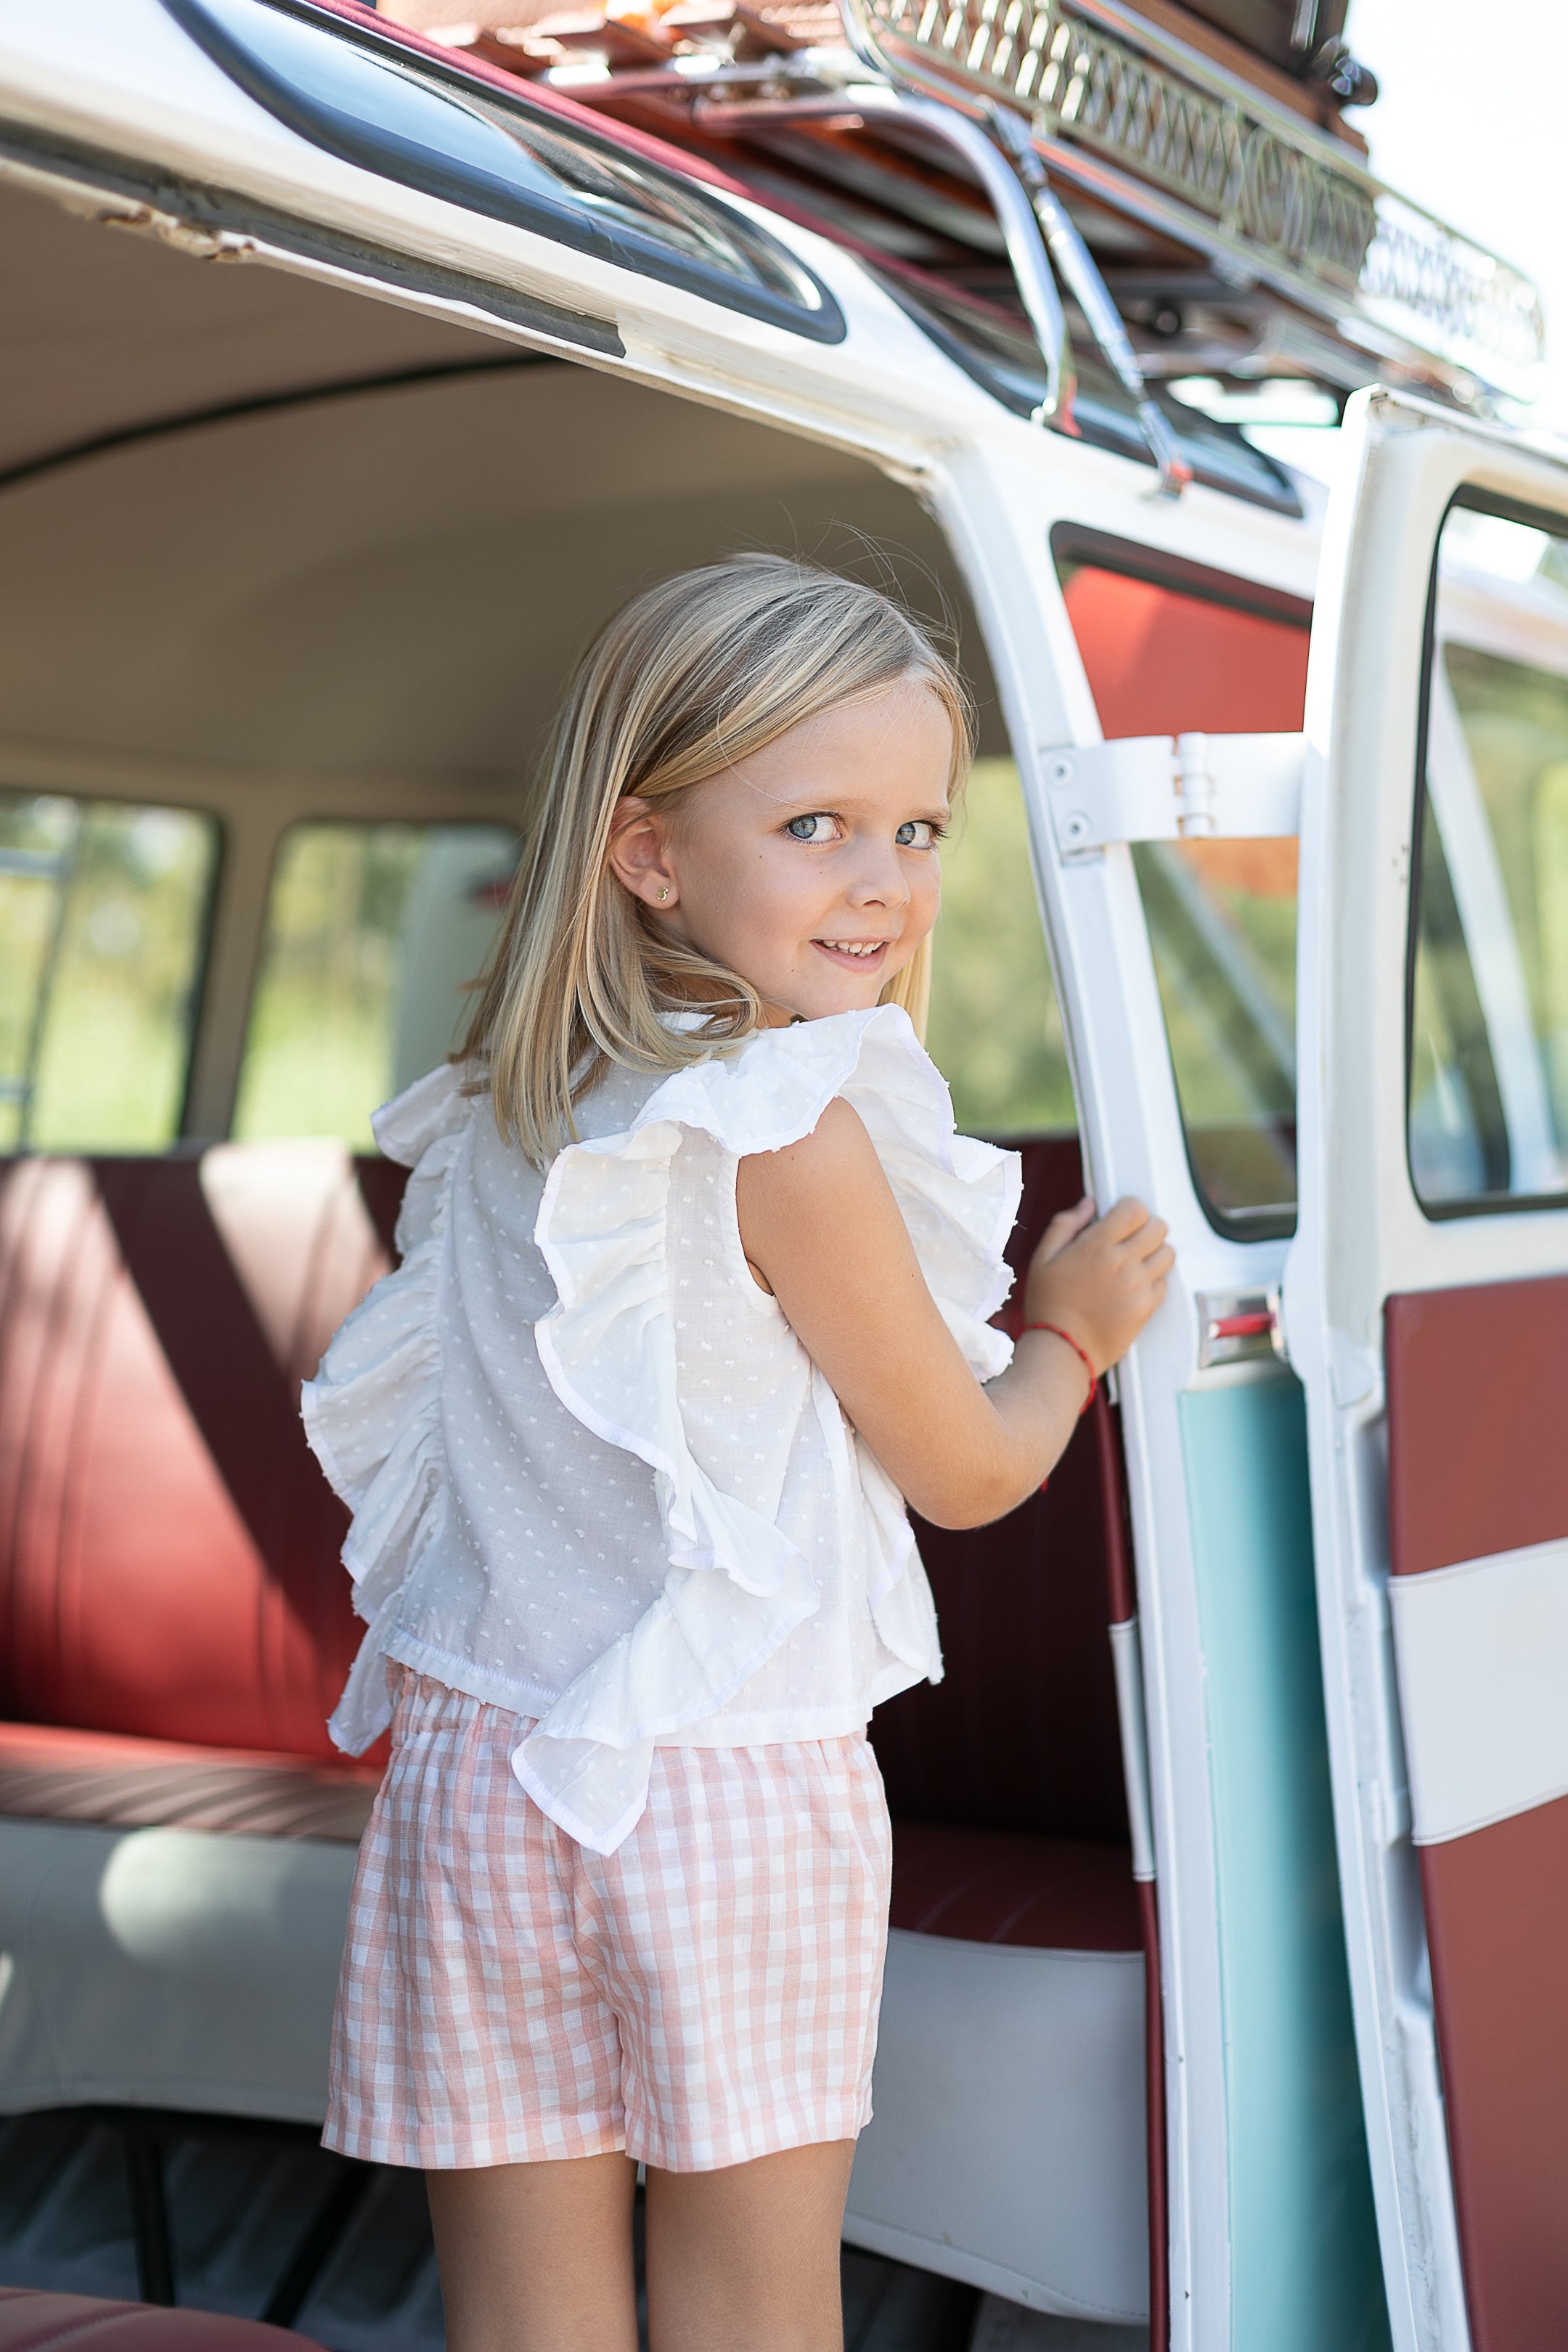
point(168, 1967)
point(1007, 2143)
point(1482, 1658)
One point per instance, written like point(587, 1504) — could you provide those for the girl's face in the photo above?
point(811, 868)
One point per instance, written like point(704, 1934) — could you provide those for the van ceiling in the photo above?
point(363, 575)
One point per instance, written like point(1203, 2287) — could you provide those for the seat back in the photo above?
point(169, 1550)
point(1022, 1734)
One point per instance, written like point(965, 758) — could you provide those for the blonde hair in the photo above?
point(686, 679)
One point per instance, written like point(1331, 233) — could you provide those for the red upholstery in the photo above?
point(168, 1548)
point(1022, 1735)
point(993, 1887)
point(173, 1609)
point(31, 2321)
point(51, 1774)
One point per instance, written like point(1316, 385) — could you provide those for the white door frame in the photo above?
point(1362, 1237)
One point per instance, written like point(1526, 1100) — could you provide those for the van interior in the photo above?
point(289, 582)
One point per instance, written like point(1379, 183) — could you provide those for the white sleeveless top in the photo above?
point(595, 1476)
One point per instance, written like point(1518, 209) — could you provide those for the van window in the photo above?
point(374, 932)
point(1488, 1057)
point(103, 918)
point(361, 95)
point(1163, 656)
point(995, 1029)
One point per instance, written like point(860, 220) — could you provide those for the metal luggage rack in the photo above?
point(1134, 116)
point(1015, 152)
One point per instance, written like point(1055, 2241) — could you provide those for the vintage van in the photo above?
point(352, 373)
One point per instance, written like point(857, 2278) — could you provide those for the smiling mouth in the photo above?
point(853, 951)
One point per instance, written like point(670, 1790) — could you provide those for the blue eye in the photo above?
point(920, 833)
point(805, 828)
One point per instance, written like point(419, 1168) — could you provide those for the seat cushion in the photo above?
point(999, 1886)
point(1008, 2140)
point(48, 1774)
point(1022, 1733)
point(30, 2320)
point(169, 1967)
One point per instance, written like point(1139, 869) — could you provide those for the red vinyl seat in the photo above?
point(168, 1547)
point(177, 1832)
point(175, 1627)
point(1005, 1779)
point(995, 1886)
point(51, 1774)
point(31, 2321)
point(1008, 2141)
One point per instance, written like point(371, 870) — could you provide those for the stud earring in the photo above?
point(663, 892)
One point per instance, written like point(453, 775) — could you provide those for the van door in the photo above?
point(1426, 1312)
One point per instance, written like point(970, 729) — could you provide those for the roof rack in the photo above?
point(1204, 217)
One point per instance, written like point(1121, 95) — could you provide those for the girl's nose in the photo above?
point(878, 879)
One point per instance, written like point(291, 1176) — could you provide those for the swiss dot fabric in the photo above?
point(706, 1994)
point(595, 1479)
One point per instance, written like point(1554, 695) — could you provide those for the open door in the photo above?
point(1426, 1312)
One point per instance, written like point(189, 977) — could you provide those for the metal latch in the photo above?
point(1174, 788)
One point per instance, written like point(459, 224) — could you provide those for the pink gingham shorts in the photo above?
point(704, 1995)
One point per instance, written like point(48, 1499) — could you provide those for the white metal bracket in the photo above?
point(1174, 788)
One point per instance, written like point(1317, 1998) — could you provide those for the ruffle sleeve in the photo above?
point(737, 1586)
point(372, 1412)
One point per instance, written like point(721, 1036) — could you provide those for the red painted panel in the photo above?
point(1160, 662)
point(1497, 1924)
point(1478, 1404)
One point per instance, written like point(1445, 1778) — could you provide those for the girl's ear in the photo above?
point(637, 855)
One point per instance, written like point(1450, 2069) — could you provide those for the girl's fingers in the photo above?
point(1065, 1227)
point(1124, 1218)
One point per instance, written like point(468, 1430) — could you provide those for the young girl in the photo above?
point(694, 1296)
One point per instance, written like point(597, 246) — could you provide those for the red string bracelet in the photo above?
point(1082, 1355)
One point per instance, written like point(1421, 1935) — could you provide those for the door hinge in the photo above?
point(1174, 788)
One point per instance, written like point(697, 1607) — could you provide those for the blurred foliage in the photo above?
point(373, 930)
point(995, 1029)
point(316, 1056)
point(1222, 926)
point(115, 1044)
point(1516, 723)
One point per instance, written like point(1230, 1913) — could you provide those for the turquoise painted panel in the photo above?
point(1305, 2268)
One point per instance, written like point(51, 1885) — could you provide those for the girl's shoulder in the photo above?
point(434, 1108)
point(959, 1196)
point(772, 1088)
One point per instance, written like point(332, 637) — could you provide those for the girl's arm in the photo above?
point(823, 1232)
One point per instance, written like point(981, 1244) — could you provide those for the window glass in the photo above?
point(997, 348)
point(374, 932)
point(1221, 914)
point(103, 911)
point(995, 1029)
point(1489, 995)
point(462, 140)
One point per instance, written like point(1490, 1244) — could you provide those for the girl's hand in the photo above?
point(822, 1231)
point(1100, 1279)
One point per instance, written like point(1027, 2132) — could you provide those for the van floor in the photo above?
point(257, 2212)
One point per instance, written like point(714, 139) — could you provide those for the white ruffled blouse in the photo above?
point(594, 1478)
